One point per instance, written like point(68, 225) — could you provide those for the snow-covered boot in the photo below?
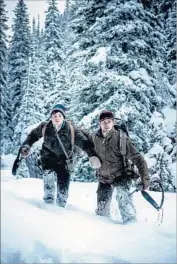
point(104, 195)
point(125, 204)
point(49, 178)
point(103, 209)
point(63, 181)
point(62, 196)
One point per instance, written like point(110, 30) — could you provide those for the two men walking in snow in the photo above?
point(57, 153)
point(103, 149)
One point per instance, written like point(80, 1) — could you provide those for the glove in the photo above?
point(145, 182)
point(25, 150)
point(95, 162)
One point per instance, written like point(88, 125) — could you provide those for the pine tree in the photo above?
point(3, 72)
point(170, 38)
point(52, 80)
point(161, 158)
point(36, 99)
point(164, 67)
point(19, 66)
point(113, 44)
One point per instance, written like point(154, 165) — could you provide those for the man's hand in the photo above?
point(25, 150)
point(145, 182)
point(95, 162)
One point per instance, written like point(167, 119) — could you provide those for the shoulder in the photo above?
point(46, 123)
point(39, 126)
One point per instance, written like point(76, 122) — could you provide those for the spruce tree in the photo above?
point(3, 72)
point(112, 42)
point(170, 32)
point(161, 154)
point(52, 81)
point(19, 67)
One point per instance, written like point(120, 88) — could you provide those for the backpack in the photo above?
point(129, 167)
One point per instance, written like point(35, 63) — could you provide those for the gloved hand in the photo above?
point(145, 182)
point(95, 162)
point(25, 150)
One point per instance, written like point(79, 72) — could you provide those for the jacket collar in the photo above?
point(64, 125)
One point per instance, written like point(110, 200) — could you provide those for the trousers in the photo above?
point(124, 200)
point(56, 185)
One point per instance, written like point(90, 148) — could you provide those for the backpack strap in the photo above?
point(72, 141)
point(44, 129)
point(72, 136)
point(93, 138)
point(123, 145)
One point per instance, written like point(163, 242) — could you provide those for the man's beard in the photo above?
point(105, 133)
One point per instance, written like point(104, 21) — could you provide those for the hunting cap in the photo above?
point(106, 114)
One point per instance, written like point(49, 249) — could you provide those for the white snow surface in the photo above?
point(33, 232)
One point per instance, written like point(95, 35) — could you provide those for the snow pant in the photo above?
point(125, 204)
point(62, 177)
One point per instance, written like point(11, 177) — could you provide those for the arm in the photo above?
point(139, 161)
point(34, 135)
point(88, 135)
point(83, 140)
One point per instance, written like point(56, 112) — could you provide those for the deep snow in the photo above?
point(33, 232)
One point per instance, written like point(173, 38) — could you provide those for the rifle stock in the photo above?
point(16, 163)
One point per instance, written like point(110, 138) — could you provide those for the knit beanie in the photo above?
point(106, 114)
point(58, 108)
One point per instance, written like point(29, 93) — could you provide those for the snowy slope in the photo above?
point(32, 232)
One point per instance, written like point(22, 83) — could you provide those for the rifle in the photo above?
point(17, 162)
point(149, 199)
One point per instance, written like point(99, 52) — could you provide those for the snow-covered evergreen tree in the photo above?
point(33, 100)
point(170, 30)
point(52, 79)
point(19, 67)
point(112, 42)
point(161, 159)
point(164, 67)
point(3, 72)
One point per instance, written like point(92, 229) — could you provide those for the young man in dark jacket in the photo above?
point(111, 173)
point(54, 157)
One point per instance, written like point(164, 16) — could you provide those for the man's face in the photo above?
point(57, 119)
point(107, 124)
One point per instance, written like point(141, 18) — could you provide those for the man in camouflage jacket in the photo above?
point(111, 173)
point(53, 157)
